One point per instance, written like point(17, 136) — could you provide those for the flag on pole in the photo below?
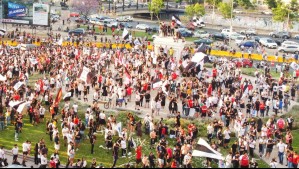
point(18, 85)
point(176, 19)
point(67, 96)
point(58, 97)
point(2, 32)
point(125, 34)
point(118, 128)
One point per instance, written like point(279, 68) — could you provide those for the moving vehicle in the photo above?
point(289, 49)
point(269, 43)
point(77, 32)
point(74, 14)
point(248, 32)
point(267, 12)
point(281, 34)
point(205, 41)
point(142, 26)
point(243, 63)
point(125, 19)
point(237, 11)
point(201, 34)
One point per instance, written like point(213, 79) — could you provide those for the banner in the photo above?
point(69, 94)
point(58, 97)
point(41, 14)
point(294, 66)
point(84, 74)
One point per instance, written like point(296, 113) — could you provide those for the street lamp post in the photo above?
point(213, 14)
point(123, 5)
point(109, 5)
point(231, 23)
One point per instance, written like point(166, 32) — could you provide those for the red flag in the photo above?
point(127, 73)
point(58, 97)
point(41, 84)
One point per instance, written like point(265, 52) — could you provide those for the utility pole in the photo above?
point(137, 5)
point(109, 5)
point(231, 22)
point(123, 5)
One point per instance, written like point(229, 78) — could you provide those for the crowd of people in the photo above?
point(155, 83)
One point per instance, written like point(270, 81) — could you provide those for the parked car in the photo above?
point(125, 25)
point(279, 41)
point(102, 18)
point(243, 63)
point(248, 32)
point(289, 43)
point(269, 43)
point(296, 37)
point(240, 39)
point(77, 32)
point(153, 29)
point(256, 38)
point(234, 36)
point(219, 36)
point(281, 34)
point(289, 49)
point(142, 26)
point(248, 44)
point(205, 41)
point(185, 32)
point(74, 14)
point(201, 34)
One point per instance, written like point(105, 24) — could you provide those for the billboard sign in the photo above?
point(24, 12)
point(15, 10)
point(41, 14)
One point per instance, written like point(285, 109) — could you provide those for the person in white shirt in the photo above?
point(187, 160)
point(228, 160)
point(65, 131)
point(26, 150)
point(75, 107)
point(226, 134)
point(2, 153)
point(123, 144)
point(252, 144)
point(210, 131)
point(281, 150)
point(15, 151)
point(44, 161)
point(273, 163)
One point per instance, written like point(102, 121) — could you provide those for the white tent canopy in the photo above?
point(203, 149)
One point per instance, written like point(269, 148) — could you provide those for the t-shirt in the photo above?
point(138, 153)
point(25, 147)
point(281, 147)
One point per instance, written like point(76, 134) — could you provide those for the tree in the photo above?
point(225, 9)
point(271, 4)
point(294, 5)
point(282, 13)
point(85, 7)
point(189, 10)
point(212, 2)
point(155, 7)
point(245, 4)
point(199, 9)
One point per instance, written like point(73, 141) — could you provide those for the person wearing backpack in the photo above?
point(244, 160)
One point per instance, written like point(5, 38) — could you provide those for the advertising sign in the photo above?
point(24, 12)
point(41, 14)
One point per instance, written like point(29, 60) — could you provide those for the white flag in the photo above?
point(157, 84)
point(118, 128)
point(69, 94)
point(125, 34)
point(294, 66)
point(84, 74)
point(21, 107)
point(18, 85)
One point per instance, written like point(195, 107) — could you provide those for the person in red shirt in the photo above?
point(262, 109)
point(210, 89)
point(173, 164)
point(52, 163)
point(129, 91)
point(295, 160)
point(204, 110)
point(138, 155)
point(214, 71)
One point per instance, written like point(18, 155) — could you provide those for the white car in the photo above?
point(237, 11)
point(248, 32)
point(201, 34)
point(289, 43)
point(289, 49)
point(125, 19)
point(240, 39)
point(269, 43)
point(234, 35)
point(267, 12)
point(227, 32)
point(142, 26)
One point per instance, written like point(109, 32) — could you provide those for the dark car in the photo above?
point(279, 41)
point(203, 41)
point(153, 29)
point(77, 32)
point(123, 25)
point(248, 44)
point(219, 36)
point(256, 38)
point(185, 33)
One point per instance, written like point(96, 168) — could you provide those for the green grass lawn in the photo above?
point(250, 72)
